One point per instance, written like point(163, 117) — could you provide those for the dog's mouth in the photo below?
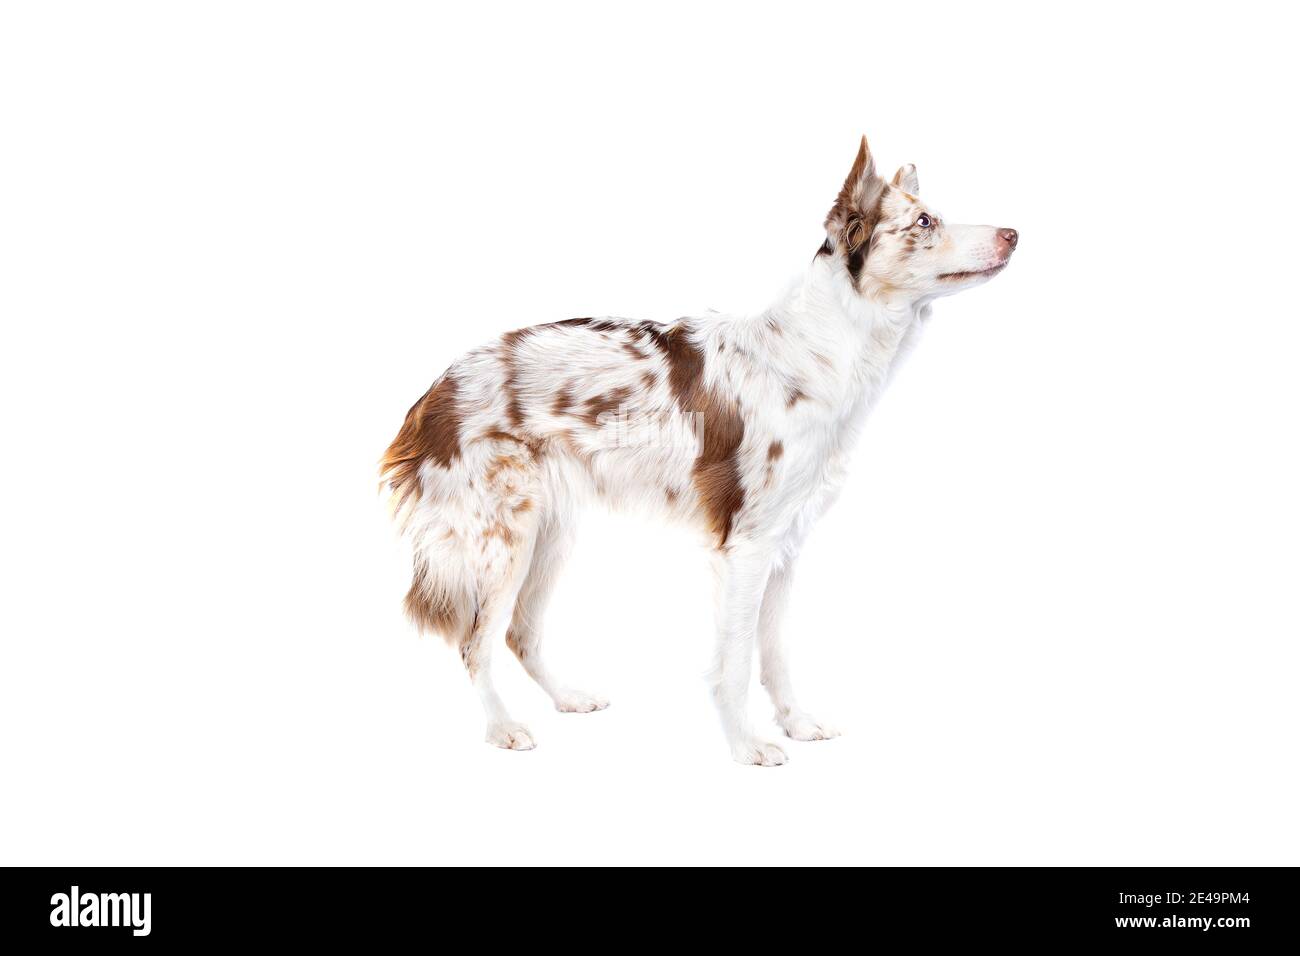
point(975, 274)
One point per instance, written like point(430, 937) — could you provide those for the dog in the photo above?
point(739, 425)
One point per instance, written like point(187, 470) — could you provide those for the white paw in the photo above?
point(510, 736)
point(758, 753)
point(803, 727)
point(575, 702)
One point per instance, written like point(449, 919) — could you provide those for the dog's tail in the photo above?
point(440, 602)
point(470, 508)
point(442, 595)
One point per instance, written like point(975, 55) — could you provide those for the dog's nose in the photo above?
point(1009, 236)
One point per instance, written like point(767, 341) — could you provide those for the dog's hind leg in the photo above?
point(501, 509)
point(524, 637)
point(773, 669)
point(476, 652)
point(742, 574)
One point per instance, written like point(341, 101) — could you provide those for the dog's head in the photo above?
point(890, 240)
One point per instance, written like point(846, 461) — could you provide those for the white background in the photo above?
point(1055, 612)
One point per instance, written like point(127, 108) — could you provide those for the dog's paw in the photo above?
point(803, 727)
point(576, 702)
point(758, 753)
point(509, 736)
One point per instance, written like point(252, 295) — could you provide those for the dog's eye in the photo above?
point(925, 222)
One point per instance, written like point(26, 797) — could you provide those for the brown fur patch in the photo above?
point(596, 325)
point(563, 399)
point(503, 464)
point(859, 244)
point(534, 446)
point(603, 404)
point(431, 431)
point(513, 338)
point(499, 529)
point(794, 395)
point(775, 450)
point(716, 472)
point(514, 407)
point(685, 360)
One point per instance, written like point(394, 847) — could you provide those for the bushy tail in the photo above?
point(440, 602)
point(469, 510)
point(442, 595)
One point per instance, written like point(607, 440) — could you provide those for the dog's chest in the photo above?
point(792, 483)
point(816, 439)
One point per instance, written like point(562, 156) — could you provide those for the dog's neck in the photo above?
point(864, 332)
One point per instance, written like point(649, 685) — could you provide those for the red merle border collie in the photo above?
point(740, 425)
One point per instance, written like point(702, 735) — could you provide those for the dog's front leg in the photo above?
point(742, 571)
point(773, 669)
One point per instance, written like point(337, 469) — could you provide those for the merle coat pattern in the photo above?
point(740, 425)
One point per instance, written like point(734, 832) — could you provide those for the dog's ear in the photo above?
point(857, 210)
point(905, 179)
